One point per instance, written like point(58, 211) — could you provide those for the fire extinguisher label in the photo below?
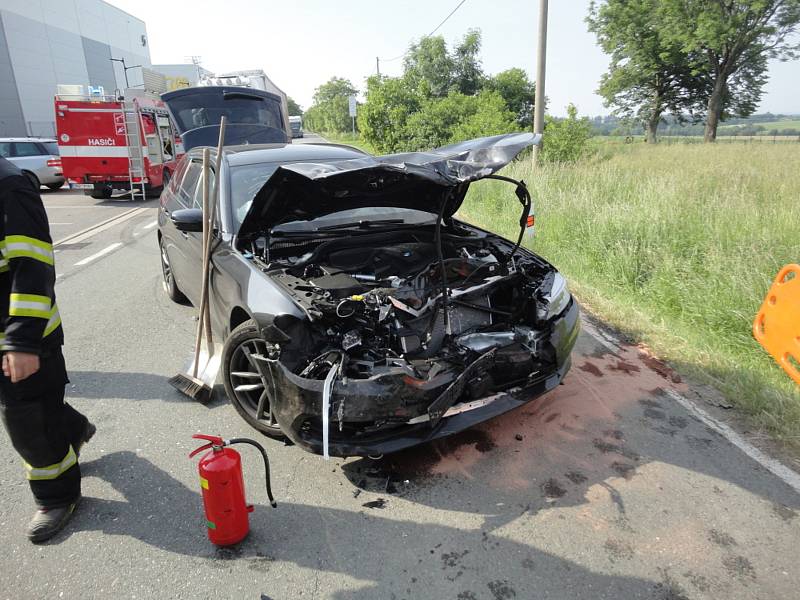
point(204, 483)
point(211, 524)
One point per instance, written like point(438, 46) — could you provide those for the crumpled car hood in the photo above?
point(416, 180)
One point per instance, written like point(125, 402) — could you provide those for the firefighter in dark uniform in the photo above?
point(45, 431)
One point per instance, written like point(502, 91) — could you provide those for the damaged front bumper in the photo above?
point(392, 412)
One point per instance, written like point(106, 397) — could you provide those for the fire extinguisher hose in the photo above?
point(266, 463)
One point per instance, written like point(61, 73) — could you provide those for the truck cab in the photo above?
point(296, 124)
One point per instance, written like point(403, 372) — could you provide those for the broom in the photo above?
point(196, 384)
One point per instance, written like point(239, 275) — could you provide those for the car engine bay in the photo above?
point(377, 303)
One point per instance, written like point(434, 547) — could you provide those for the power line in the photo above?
point(446, 18)
point(452, 12)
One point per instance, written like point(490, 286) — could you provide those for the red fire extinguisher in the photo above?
point(223, 489)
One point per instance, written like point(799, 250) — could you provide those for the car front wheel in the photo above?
point(248, 390)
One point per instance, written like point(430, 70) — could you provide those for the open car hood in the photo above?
point(416, 180)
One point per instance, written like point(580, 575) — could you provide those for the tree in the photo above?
point(491, 117)
point(518, 93)
point(330, 109)
point(566, 140)
point(428, 67)
point(382, 118)
point(650, 73)
point(294, 107)
point(732, 42)
point(468, 77)
point(432, 70)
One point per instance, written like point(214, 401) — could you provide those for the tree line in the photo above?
point(442, 96)
point(698, 60)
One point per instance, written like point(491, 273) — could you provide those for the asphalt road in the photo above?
point(607, 488)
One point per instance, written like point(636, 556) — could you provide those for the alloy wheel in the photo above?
point(250, 387)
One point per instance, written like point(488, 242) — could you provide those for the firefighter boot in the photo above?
point(49, 521)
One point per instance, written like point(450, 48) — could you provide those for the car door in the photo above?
point(180, 195)
point(28, 157)
point(188, 260)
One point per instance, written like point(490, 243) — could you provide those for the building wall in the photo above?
point(51, 42)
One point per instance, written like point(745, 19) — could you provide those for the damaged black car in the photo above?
point(359, 315)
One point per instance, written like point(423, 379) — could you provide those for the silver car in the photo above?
point(37, 157)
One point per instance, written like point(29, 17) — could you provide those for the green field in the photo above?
point(675, 245)
point(787, 124)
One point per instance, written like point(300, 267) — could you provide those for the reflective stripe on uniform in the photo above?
point(30, 305)
point(53, 322)
point(22, 246)
point(52, 471)
point(3, 264)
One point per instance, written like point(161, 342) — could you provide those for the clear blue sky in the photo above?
point(302, 43)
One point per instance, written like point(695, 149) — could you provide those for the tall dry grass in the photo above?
point(677, 246)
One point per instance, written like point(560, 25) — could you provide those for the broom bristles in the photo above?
point(191, 387)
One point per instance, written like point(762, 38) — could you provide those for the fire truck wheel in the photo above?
point(33, 179)
point(169, 278)
point(101, 192)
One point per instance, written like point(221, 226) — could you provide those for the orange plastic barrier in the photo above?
point(777, 324)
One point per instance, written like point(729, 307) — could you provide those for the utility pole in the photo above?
point(378, 66)
point(541, 60)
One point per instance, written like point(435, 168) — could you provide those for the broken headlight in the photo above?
point(556, 300)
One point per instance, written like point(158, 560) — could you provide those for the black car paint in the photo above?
point(239, 290)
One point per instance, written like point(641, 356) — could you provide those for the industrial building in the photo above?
point(44, 43)
point(182, 75)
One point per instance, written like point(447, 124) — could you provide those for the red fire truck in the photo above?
point(126, 142)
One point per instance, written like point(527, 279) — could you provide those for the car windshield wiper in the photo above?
point(360, 224)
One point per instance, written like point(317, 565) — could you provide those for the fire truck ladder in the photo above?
point(133, 140)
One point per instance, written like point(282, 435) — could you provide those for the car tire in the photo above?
point(54, 186)
point(33, 179)
point(238, 372)
point(168, 277)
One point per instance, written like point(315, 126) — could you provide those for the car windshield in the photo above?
point(208, 106)
point(247, 180)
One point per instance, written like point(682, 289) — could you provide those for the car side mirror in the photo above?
point(188, 219)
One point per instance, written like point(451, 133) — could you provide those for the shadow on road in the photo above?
point(103, 385)
point(160, 511)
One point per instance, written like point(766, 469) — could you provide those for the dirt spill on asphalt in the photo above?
point(571, 431)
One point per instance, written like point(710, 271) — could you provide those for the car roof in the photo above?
point(26, 139)
point(253, 154)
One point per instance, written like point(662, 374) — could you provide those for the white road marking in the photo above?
point(97, 255)
point(150, 225)
point(99, 227)
point(777, 468)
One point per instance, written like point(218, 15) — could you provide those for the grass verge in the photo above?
point(675, 246)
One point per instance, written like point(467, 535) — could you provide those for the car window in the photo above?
point(26, 149)
point(198, 191)
point(208, 106)
point(5, 149)
point(178, 175)
point(50, 148)
point(188, 186)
